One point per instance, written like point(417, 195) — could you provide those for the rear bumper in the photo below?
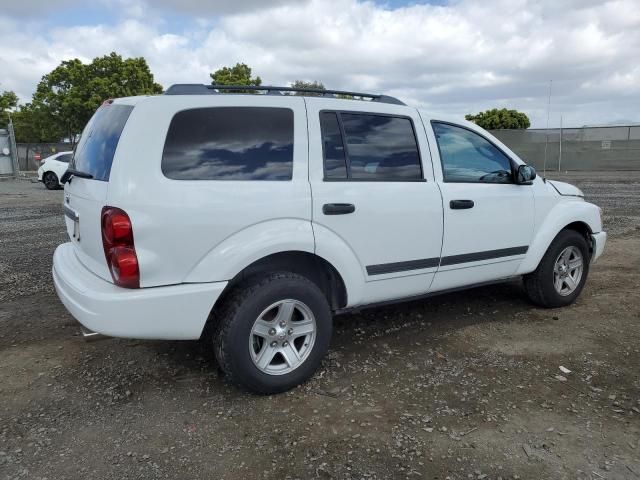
point(176, 312)
point(599, 239)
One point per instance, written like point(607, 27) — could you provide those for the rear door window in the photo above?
point(332, 146)
point(97, 146)
point(376, 147)
point(230, 143)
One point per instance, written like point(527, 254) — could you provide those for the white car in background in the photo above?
point(52, 169)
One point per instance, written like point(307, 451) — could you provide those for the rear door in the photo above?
point(84, 198)
point(488, 219)
point(373, 192)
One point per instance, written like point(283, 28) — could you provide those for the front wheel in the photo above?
point(562, 272)
point(272, 333)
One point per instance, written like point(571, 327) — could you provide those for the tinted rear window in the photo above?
point(230, 143)
point(376, 147)
point(94, 154)
point(381, 147)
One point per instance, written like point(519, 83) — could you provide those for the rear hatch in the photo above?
point(84, 198)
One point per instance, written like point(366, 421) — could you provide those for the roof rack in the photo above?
point(201, 89)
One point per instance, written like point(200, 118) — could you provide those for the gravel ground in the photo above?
point(461, 386)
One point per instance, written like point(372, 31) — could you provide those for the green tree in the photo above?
point(312, 85)
point(495, 119)
point(70, 94)
point(35, 125)
point(239, 74)
point(8, 101)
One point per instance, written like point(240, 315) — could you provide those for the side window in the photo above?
point(230, 143)
point(64, 158)
point(334, 159)
point(469, 157)
point(374, 147)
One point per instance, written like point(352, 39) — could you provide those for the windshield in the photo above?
point(97, 146)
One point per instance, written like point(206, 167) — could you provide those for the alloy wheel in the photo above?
point(567, 270)
point(282, 337)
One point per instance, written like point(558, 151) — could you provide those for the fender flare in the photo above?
point(563, 214)
point(238, 251)
point(224, 261)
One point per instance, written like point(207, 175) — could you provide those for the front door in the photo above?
point(488, 219)
point(375, 202)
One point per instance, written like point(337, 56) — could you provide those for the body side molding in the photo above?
point(445, 261)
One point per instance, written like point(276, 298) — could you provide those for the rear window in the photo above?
point(97, 146)
point(230, 143)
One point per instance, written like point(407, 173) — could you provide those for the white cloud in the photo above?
point(452, 59)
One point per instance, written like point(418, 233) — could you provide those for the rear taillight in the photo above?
point(119, 249)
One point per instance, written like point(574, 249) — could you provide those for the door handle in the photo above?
point(461, 204)
point(338, 208)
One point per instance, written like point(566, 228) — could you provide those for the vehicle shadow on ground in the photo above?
point(439, 315)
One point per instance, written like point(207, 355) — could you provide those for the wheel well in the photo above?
point(584, 230)
point(311, 266)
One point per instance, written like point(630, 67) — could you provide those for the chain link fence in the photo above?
point(587, 148)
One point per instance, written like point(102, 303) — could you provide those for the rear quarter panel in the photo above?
point(202, 230)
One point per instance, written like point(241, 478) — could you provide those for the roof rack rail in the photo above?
point(201, 89)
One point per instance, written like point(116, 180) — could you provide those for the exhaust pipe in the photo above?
point(90, 335)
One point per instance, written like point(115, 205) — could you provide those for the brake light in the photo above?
point(119, 249)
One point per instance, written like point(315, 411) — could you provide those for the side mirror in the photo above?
point(525, 175)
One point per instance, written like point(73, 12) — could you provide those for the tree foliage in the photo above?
point(316, 85)
point(8, 100)
point(495, 119)
point(67, 97)
point(239, 74)
point(33, 126)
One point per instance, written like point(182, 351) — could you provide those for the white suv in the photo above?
point(252, 219)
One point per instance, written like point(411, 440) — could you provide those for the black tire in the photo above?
point(50, 181)
point(539, 284)
point(234, 320)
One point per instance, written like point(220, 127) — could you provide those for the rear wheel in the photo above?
point(50, 181)
point(271, 333)
point(562, 272)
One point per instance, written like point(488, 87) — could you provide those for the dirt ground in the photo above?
point(461, 386)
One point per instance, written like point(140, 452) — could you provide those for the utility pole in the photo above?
point(560, 156)
point(546, 142)
point(13, 147)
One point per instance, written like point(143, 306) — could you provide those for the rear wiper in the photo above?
point(72, 172)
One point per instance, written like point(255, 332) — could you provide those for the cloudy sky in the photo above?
point(452, 57)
